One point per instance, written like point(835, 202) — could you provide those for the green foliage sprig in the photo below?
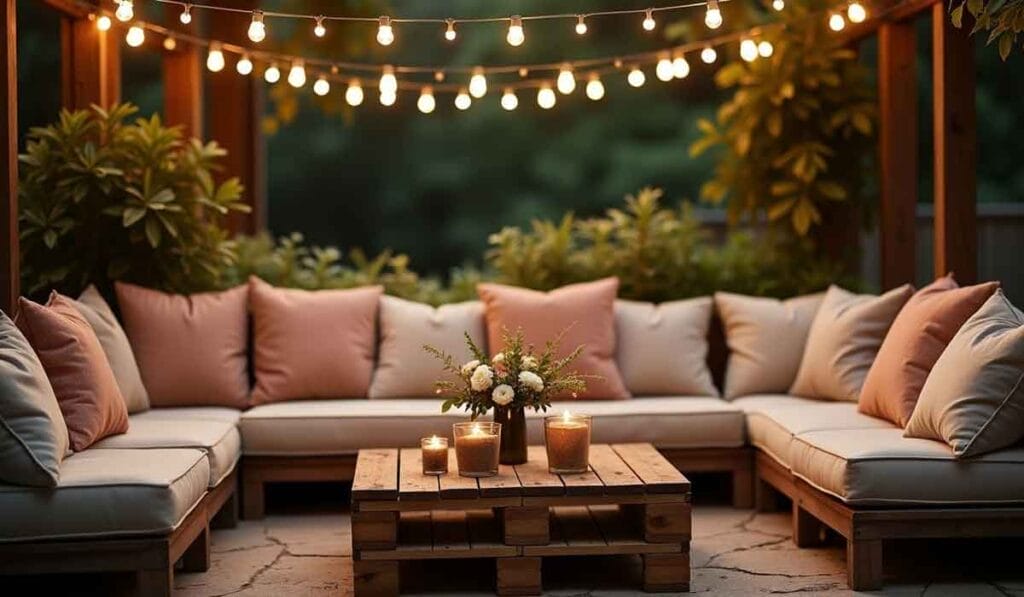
point(1003, 19)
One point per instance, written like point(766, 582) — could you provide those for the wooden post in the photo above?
point(90, 64)
point(9, 272)
point(183, 83)
point(897, 139)
point(956, 237)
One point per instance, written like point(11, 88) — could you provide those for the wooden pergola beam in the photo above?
point(9, 271)
point(90, 64)
point(183, 83)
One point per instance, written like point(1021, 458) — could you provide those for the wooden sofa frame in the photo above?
point(865, 528)
point(153, 559)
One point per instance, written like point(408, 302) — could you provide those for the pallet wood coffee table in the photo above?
point(632, 501)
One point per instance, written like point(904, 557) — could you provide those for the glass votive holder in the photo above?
point(567, 437)
point(434, 451)
point(477, 446)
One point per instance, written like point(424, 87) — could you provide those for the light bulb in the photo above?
point(566, 82)
point(478, 84)
point(713, 16)
point(103, 23)
point(426, 103)
point(170, 44)
point(680, 67)
point(125, 11)
point(354, 93)
point(257, 30)
point(388, 99)
point(186, 14)
point(546, 97)
point(595, 88)
point(135, 37)
point(215, 59)
point(319, 30)
point(856, 12)
point(836, 22)
point(297, 75)
point(649, 24)
point(385, 34)
point(581, 26)
point(272, 74)
point(708, 55)
point(748, 50)
point(322, 86)
point(388, 84)
point(663, 70)
point(515, 36)
point(244, 65)
point(778, 4)
point(449, 32)
point(462, 100)
point(636, 77)
point(509, 101)
point(765, 49)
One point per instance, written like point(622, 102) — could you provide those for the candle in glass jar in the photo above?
point(477, 448)
point(434, 452)
point(568, 443)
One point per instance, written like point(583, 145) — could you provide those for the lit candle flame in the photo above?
point(476, 430)
point(566, 416)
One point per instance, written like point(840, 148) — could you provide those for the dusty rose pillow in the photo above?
point(79, 372)
point(589, 309)
point(191, 350)
point(921, 331)
point(312, 344)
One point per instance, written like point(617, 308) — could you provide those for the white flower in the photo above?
point(529, 363)
point(482, 378)
point(469, 367)
point(531, 380)
point(498, 360)
point(503, 394)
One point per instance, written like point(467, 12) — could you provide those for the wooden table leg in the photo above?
point(667, 572)
point(666, 523)
point(519, 576)
point(864, 564)
point(158, 582)
point(197, 557)
point(374, 530)
point(526, 525)
point(807, 530)
point(375, 578)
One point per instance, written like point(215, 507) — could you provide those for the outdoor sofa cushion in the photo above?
point(880, 467)
point(327, 427)
point(191, 413)
point(108, 493)
point(220, 440)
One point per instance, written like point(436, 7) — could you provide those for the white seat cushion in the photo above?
point(881, 467)
point(326, 427)
point(200, 413)
point(220, 441)
point(105, 493)
point(773, 420)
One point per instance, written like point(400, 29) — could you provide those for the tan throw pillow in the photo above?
point(585, 311)
point(73, 359)
point(115, 345)
point(663, 349)
point(192, 350)
point(404, 369)
point(917, 337)
point(974, 397)
point(844, 339)
point(766, 339)
point(33, 435)
point(312, 343)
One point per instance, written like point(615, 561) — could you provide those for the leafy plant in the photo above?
point(797, 134)
point(1003, 19)
point(104, 200)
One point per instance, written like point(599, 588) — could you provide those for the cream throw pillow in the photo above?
point(974, 397)
point(844, 339)
point(663, 349)
point(404, 369)
point(766, 339)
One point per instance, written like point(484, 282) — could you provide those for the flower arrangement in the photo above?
point(516, 378)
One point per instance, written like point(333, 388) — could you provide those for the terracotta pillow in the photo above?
point(404, 369)
point(589, 309)
point(917, 337)
point(845, 336)
point(766, 339)
point(82, 379)
point(312, 344)
point(974, 397)
point(191, 350)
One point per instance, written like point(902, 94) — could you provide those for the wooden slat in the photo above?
point(412, 483)
point(578, 528)
point(414, 505)
point(534, 476)
point(596, 530)
point(414, 532)
point(449, 531)
point(504, 484)
point(183, 81)
point(485, 534)
point(376, 475)
point(658, 475)
point(455, 486)
point(9, 272)
point(587, 483)
point(622, 536)
point(615, 474)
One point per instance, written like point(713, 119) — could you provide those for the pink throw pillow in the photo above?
point(587, 310)
point(192, 350)
point(313, 343)
point(919, 334)
point(77, 367)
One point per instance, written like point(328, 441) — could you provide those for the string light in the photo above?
point(244, 65)
point(186, 14)
point(170, 44)
point(836, 22)
point(765, 49)
point(463, 101)
point(649, 23)
point(297, 75)
point(449, 32)
point(713, 15)
point(748, 50)
point(680, 67)
point(125, 11)
point(566, 82)
point(385, 34)
point(257, 30)
point(636, 77)
point(354, 93)
point(215, 60)
point(103, 23)
point(136, 36)
point(856, 12)
point(778, 5)
point(595, 88)
point(272, 74)
point(663, 70)
point(426, 103)
point(515, 36)
point(388, 84)
point(581, 26)
point(322, 86)
point(546, 97)
point(478, 83)
point(509, 101)
point(708, 55)
point(319, 30)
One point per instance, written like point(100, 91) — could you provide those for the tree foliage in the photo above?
point(1003, 19)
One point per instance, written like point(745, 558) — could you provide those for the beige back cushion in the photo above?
point(845, 337)
point(662, 349)
point(974, 397)
point(766, 339)
point(404, 369)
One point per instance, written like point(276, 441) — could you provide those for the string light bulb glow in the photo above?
point(257, 30)
point(322, 86)
point(215, 59)
point(426, 103)
point(663, 70)
point(836, 22)
point(708, 55)
point(297, 75)
point(778, 5)
point(680, 67)
point(546, 97)
point(125, 11)
point(385, 34)
point(636, 77)
point(595, 88)
point(515, 36)
point(649, 23)
point(509, 101)
point(103, 23)
point(244, 65)
point(449, 32)
point(713, 15)
point(354, 93)
point(388, 99)
point(748, 50)
point(856, 12)
point(566, 82)
point(170, 44)
point(478, 84)
point(272, 74)
point(581, 25)
point(765, 49)
point(136, 36)
point(462, 100)
point(388, 84)
point(186, 14)
point(319, 30)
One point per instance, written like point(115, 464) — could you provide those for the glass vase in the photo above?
point(513, 433)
